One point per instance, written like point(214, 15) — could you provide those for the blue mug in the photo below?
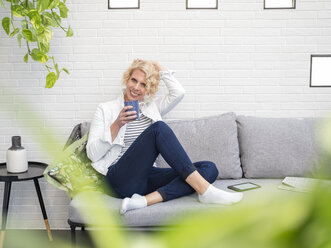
point(135, 105)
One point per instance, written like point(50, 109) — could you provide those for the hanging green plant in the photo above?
point(37, 18)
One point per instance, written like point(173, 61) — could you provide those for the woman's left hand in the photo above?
point(157, 66)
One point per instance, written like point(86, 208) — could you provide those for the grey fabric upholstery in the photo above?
point(165, 212)
point(84, 128)
point(269, 148)
point(277, 147)
point(211, 138)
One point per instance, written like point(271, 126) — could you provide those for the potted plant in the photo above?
point(37, 18)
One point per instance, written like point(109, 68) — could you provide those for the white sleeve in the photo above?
point(99, 140)
point(175, 95)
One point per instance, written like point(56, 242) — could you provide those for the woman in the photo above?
point(124, 149)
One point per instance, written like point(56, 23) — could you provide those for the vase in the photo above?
point(16, 157)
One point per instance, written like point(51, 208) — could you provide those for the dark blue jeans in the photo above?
point(134, 172)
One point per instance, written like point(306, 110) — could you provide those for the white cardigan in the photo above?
point(100, 148)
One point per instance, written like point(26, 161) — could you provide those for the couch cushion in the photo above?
point(166, 212)
point(211, 138)
point(277, 147)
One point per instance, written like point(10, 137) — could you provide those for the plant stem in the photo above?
point(27, 44)
point(48, 68)
point(12, 17)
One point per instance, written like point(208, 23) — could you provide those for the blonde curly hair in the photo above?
point(152, 75)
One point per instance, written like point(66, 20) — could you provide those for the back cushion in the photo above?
point(84, 128)
point(277, 147)
point(210, 138)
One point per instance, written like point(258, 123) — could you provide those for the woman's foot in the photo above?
point(215, 195)
point(135, 202)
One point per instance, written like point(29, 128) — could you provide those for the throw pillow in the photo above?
point(277, 147)
point(73, 171)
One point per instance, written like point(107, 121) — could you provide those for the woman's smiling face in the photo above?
point(136, 86)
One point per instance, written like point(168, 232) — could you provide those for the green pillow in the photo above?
point(73, 171)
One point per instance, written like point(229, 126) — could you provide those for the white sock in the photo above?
point(135, 202)
point(215, 195)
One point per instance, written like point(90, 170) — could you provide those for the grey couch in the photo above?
point(258, 150)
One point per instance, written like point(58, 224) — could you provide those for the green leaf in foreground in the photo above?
point(63, 10)
point(24, 24)
point(42, 5)
point(39, 56)
point(26, 56)
point(57, 70)
point(1, 4)
point(56, 20)
point(46, 19)
point(51, 79)
point(19, 11)
point(16, 30)
point(6, 24)
point(19, 39)
point(28, 35)
point(66, 70)
point(53, 4)
point(70, 32)
point(35, 18)
point(44, 46)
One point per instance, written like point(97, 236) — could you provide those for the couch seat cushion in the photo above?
point(165, 212)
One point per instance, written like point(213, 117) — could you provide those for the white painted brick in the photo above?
point(144, 40)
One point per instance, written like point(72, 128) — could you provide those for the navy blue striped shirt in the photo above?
point(133, 130)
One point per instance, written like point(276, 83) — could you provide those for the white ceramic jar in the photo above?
point(16, 157)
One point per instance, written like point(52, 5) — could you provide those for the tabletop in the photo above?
point(35, 170)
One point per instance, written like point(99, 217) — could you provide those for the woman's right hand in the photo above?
point(125, 116)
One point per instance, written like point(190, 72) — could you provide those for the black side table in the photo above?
point(35, 171)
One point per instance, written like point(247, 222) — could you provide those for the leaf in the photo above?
point(39, 31)
point(39, 56)
point(47, 19)
point(6, 24)
point(63, 10)
point(1, 4)
point(50, 79)
point(26, 4)
point(66, 70)
point(34, 32)
point(53, 4)
point(44, 46)
point(42, 5)
point(35, 18)
point(48, 33)
point(24, 24)
point(56, 20)
point(26, 56)
point(19, 39)
point(13, 1)
point(28, 35)
point(19, 11)
point(70, 32)
point(57, 70)
point(16, 30)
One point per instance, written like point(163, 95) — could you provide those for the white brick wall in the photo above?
point(239, 58)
